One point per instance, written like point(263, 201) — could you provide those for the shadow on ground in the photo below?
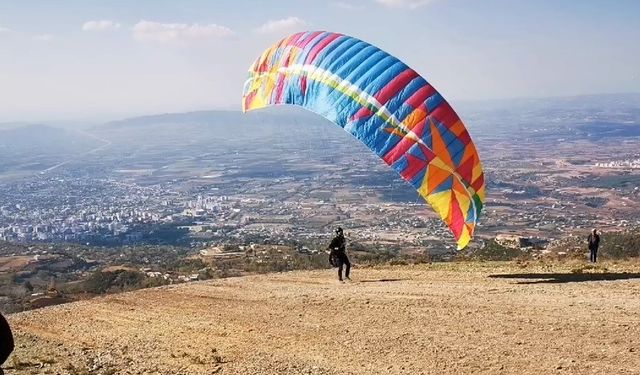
point(381, 280)
point(552, 278)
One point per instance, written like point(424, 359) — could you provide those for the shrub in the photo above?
point(121, 280)
point(621, 245)
point(494, 251)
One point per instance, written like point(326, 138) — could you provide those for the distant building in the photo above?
point(212, 251)
point(519, 242)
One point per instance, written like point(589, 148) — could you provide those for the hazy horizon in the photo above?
point(102, 119)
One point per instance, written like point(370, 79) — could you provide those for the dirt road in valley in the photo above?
point(463, 318)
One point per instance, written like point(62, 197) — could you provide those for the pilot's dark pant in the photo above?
point(594, 254)
point(343, 260)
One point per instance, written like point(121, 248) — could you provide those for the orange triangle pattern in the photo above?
point(438, 145)
point(435, 177)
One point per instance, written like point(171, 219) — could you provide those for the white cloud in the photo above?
point(4, 30)
point(149, 31)
point(102, 25)
point(282, 25)
point(406, 4)
point(43, 37)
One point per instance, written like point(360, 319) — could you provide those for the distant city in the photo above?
point(208, 178)
point(633, 164)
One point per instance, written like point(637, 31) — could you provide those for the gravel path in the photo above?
point(462, 318)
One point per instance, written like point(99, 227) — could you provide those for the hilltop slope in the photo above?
point(438, 319)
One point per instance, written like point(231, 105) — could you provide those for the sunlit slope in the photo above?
point(445, 319)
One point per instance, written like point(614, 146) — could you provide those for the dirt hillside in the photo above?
point(466, 318)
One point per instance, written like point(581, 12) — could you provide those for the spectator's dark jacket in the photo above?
point(594, 241)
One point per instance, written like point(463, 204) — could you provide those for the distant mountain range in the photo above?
point(272, 116)
point(37, 146)
point(41, 138)
point(297, 115)
point(602, 101)
point(612, 115)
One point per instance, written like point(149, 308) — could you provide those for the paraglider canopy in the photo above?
point(386, 105)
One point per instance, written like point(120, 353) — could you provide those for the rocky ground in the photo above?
point(454, 318)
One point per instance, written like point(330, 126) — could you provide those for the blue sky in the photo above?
point(110, 59)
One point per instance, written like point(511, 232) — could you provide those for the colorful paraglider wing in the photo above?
point(387, 106)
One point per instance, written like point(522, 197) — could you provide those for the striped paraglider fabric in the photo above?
point(386, 105)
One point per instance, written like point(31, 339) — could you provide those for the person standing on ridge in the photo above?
point(6, 341)
point(338, 255)
point(594, 243)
